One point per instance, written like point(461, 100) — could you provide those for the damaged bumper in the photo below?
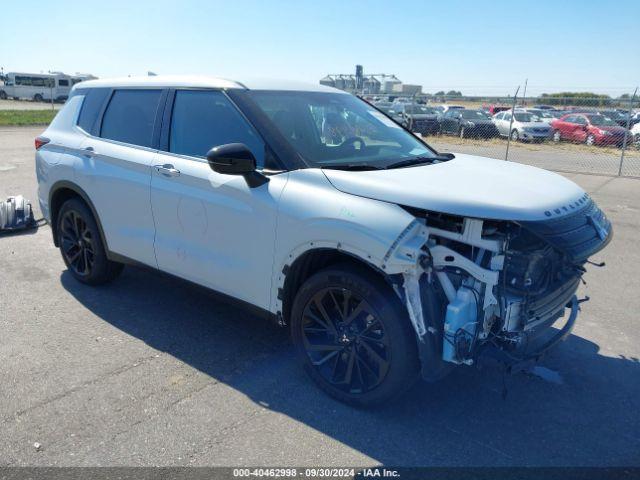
point(471, 285)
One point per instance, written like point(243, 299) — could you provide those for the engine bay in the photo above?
point(499, 284)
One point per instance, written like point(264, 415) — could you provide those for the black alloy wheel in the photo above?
point(76, 242)
point(353, 335)
point(81, 244)
point(344, 340)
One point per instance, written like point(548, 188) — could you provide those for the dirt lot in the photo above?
point(153, 371)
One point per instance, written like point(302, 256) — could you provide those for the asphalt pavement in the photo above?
point(151, 370)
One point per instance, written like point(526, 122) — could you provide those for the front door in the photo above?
point(213, 229)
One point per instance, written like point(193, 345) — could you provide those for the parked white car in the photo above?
point(635, 133)
point(525, 126)
point(385, 258)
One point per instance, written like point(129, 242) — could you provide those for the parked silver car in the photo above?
point(525, 126)
point(546, 116)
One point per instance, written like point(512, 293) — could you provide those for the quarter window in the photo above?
point(203, 119)
point(130, 116)
point(91, 106)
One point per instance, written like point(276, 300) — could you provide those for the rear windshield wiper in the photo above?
point(420, 160)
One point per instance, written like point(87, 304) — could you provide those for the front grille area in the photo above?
point(579, 235)
point(548, 305)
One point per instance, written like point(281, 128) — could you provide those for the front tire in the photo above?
point(462, 134)
point(515, 136)
point(590, 140)
point(81, 245)
point(557, 136)
point(353, 336)
point(37, 98)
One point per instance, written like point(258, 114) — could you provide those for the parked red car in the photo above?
point(589, 128)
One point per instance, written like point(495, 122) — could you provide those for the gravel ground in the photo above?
point(151, 370)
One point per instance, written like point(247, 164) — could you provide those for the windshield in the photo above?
point(474, 114)
point(525, 117)
point(601, 120)
point(336, 129)
point(419, 110)
point(384, 108)
point(541, 114)
point(613, 115)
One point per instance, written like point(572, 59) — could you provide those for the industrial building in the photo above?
point(372, 83)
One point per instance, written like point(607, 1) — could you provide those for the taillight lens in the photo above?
point(40, 141)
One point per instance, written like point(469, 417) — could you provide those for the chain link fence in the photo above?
point(578, 134)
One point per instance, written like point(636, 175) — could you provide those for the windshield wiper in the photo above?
point(419, 160)
point(351, 167)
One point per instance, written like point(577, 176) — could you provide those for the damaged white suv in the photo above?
point(386, 259)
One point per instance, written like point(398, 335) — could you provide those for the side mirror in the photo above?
point(236, 159)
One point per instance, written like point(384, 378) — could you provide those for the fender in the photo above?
point(67, 185)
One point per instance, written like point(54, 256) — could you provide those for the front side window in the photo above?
point(526, 117)
point(336, 129)
point(130, 116)
point(203, 119)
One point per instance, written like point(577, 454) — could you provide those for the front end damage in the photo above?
point(474, 285)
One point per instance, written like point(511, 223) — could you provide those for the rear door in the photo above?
point(502, 123)
point(212, 229)
point(115, 170)
point(447, 121)
point(581, 129)
point(566, 126)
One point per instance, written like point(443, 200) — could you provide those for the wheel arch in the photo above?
point(61, 192)
point(311, 261)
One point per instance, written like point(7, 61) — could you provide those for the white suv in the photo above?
point(385, 258)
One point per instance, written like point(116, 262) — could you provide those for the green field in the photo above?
point(26, 117)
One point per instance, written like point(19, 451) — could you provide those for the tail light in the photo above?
point(40, 141)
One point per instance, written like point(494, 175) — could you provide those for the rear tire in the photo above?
point(590, 140)
point(81, 245)
point(557, 136)
point(515, 136)
point(353, 336)
point(462, 133)
point(3, 95)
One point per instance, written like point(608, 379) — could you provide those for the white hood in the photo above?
point(467, 186)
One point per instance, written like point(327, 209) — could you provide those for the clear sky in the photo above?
point(485, 47)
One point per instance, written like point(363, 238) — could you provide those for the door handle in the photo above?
point(89, 152)
point(167, 170)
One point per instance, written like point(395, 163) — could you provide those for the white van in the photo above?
point(38, 87)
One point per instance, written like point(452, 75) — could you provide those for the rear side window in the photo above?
point(130, 116)
point(203, 119)
point(91, 107)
